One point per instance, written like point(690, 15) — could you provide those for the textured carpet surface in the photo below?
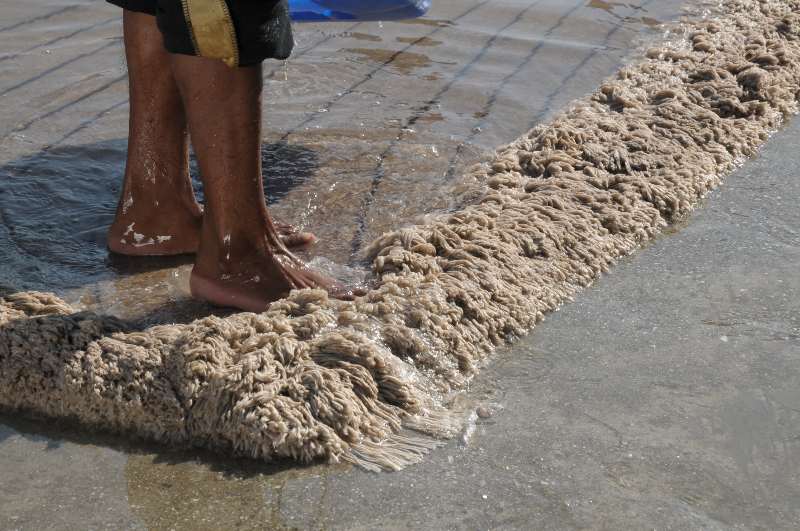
point(315, 378)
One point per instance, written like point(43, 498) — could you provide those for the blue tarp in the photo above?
point(332, 10)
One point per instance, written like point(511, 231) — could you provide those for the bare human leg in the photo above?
point(241, 261)
point(157, 212)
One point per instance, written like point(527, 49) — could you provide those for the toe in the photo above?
point(298, 239)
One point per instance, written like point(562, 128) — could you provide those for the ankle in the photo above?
point(225, 250)
point(148, 226)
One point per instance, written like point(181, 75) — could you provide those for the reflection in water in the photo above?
point(175, 492)
point(651, 22)
point(173, 489)
point(611, 6)
point(146, 297)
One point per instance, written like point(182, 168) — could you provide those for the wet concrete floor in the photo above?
point(665, 397)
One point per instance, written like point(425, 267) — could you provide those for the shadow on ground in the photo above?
point(56, 205)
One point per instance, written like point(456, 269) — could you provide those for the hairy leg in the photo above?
point(157, 212)
point(241, 261)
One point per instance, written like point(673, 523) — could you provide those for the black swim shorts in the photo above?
point(239, 32)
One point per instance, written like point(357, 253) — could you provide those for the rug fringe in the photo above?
point(439, 422)
point(392, 454)
point(434, 427)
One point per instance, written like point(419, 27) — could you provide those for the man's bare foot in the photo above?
point(252, 282)
point(242, 260)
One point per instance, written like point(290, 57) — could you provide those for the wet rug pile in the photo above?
point(316, 378)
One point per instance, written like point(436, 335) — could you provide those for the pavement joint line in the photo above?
point(25, 126)
point(550, 97)
point(14, 55)
point(38, 18)
point(59, 66)
point(86, 123)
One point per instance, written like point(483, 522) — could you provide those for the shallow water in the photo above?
point(369, 127)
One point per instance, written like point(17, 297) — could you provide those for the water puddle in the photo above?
point(605, 6)
point(364, 37)
point(419, 41)
point(402, 62)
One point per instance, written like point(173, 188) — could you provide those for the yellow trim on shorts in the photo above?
point(212, 30)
